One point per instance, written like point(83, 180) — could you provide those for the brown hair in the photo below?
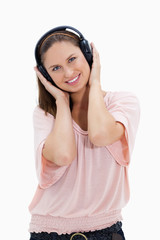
point(45, 100)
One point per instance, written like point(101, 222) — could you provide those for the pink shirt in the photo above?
point(89, 194)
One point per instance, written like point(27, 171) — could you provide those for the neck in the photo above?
point(80, 99)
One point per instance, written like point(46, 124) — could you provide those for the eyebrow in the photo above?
point(66, 60)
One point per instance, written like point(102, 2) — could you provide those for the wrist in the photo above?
point(95, 84)
point(62, 100)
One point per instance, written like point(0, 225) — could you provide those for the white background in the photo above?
point(127, 36)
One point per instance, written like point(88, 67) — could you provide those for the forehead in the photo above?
point(60, 51)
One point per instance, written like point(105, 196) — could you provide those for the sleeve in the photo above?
point(48, 173)
point(125, 108)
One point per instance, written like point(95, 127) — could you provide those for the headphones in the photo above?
point(83, 43)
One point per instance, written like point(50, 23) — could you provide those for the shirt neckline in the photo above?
point(79, 129)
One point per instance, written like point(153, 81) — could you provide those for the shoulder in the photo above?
point(39, 112)
point(40, 117)
point(123, 105)
point(121, 97)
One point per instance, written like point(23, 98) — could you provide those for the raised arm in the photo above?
point(60, 146)
point(102, 127)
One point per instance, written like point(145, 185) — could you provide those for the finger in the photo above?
point(95, 52)
point(35, 68)
point(93, 47)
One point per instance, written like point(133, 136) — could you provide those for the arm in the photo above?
point(60, 145)
point(102, 128)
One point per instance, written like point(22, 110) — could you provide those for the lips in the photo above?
point(74, 80)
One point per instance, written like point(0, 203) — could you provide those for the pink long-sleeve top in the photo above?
point(90, 193)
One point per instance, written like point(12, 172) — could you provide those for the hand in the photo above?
point(95, 71)
point(54, 91)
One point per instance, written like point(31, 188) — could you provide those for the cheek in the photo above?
point(57, 78)
point(84, 65)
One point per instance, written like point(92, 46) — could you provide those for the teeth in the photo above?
point(73, 80)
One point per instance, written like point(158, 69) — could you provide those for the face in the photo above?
point(67, 66)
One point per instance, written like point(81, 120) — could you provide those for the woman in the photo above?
point(84, 137)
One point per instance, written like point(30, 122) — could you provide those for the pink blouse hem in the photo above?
point(40, 223)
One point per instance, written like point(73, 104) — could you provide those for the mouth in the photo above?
point(74, 80)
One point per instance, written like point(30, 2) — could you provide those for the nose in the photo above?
point(68, 72)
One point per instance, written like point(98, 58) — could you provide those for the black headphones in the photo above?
point(83, 43)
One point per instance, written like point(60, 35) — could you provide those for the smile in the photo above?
point(74, 80)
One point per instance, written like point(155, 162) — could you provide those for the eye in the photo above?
point(56, 68)
point(71, 59)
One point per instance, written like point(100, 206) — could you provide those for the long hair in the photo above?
point(45, 100)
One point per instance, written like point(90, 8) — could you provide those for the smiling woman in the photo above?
point(84, 138)
point(47, 47)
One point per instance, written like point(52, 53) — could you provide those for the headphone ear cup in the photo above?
point(87, 51)
point(45, 73)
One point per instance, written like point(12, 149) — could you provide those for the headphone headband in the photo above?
point(50, 33)
point(54, 34)
point(63, 28)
